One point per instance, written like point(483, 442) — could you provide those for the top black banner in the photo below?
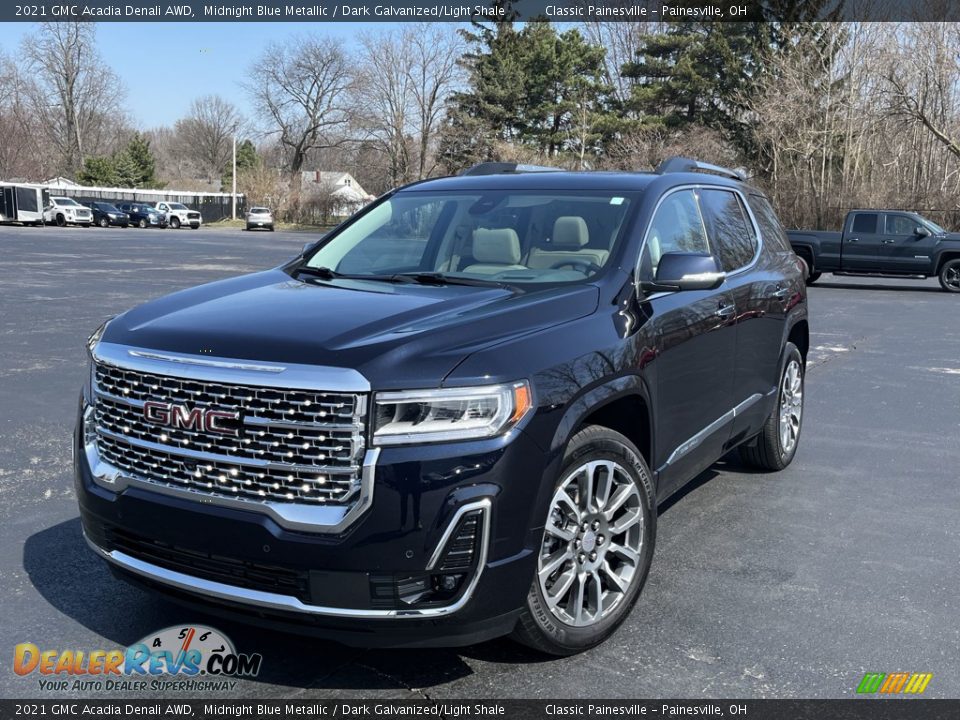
point(328, 11)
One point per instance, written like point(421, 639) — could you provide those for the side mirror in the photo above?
point(921, 232)
point(679, 271)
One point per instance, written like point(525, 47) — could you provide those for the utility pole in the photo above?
point(233, 199)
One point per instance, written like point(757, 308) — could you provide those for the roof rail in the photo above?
point(499, 168)
point(682, 164)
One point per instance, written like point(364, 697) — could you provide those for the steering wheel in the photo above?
point(584, 266)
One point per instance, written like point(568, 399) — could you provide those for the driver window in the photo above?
point(676, 227)
point(901, 225)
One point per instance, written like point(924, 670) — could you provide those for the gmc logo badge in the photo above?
point(180, 416)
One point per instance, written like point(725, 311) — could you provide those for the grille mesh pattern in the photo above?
point(292, 446)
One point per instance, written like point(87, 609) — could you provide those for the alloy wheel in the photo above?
point(951, 277)
point(592, 544)
point(791, 406)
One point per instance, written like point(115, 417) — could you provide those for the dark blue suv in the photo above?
point(454, 416)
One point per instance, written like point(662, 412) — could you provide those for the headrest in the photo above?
point(500, 246)
point(570, 233)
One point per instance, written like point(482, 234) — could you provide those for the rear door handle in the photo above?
point(726, 310)
point(781, 292)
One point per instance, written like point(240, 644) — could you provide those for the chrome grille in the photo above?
point(291, 446)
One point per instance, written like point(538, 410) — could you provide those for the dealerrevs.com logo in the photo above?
point(179, 658)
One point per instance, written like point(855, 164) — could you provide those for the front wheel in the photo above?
point(104, 222)
point(61, 221)
point(775, 446)
point(142, 222)
point(950, 276)
point(596, 549)
point(175, 222)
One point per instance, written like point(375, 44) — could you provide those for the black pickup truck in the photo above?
point(886, 243)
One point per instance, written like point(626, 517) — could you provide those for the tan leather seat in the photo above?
point(567, 245)
point(495, 250)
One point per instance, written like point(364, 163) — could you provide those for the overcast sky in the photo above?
point(164, 66)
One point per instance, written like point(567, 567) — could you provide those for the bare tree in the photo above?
point(924, 81)
point(300, 89)
point(207, 133)
point(75, 97)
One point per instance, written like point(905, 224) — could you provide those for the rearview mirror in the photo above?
point(678, 271)
point(921, 231)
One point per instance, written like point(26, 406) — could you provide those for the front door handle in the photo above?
point(726, 310)
point(853, 240)
point(888, 242)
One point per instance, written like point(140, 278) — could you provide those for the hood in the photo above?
point(398, 336)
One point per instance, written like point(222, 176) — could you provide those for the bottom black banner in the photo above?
point(866, 708)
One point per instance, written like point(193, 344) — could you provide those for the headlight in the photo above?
point(419, 416)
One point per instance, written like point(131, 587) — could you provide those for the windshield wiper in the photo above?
point(324, 273)
point(437, 278)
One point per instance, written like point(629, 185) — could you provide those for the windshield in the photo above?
point(66, 201)
point(105, 207)
point(501, 236)
point(177, 206)
point(934, 228)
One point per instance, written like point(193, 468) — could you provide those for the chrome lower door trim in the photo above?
point(685, 447)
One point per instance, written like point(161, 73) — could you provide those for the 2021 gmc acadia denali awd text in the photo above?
point(453, 417)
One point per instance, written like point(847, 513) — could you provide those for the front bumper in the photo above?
point(185, 549)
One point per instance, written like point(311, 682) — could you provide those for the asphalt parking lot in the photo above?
point(786, 585)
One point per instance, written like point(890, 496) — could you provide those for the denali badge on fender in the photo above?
point(460, 408)
point(180, 416)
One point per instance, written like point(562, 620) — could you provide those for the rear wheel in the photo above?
point(950, 276)
point(813, 277)
point(596, 549)
point(775, 446)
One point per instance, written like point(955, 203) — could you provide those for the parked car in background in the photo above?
point(178, 214)
point(105, 215)
point(259, 217)
point(143, 215)
point(66, 211)
point(883, 243)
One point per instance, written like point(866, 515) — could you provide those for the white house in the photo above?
point(340, 185)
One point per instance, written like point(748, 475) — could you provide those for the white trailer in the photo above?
point(22, 203)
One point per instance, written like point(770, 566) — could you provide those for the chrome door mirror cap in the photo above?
point(681, 271)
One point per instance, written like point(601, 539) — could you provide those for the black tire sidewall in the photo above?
point(597, 443)
point(949, 264)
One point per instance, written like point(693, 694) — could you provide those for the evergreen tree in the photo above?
point(138, 162)
point(97, 171)
point(247, 159)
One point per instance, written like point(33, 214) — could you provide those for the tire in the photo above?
point(271, 228)
point(175, 222)
point(776, 445)
point(142, 222)
point(582, 547)
point(194, 227)
point(61, 221)
point(813, 277)
point(949, 276)
point(104, 222)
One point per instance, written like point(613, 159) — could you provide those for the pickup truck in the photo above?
point(884, 243)
point(178, 214)
point(452, 417)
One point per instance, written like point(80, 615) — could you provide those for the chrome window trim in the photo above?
point(695, 187)
point(290, 376)
point(276, 601)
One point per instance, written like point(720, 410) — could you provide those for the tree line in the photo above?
point(825, 116)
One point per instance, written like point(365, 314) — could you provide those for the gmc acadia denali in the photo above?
point(454, 416)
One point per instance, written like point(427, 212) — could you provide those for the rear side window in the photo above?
point(772, 232)
point(865, 223)
point(729, 229)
